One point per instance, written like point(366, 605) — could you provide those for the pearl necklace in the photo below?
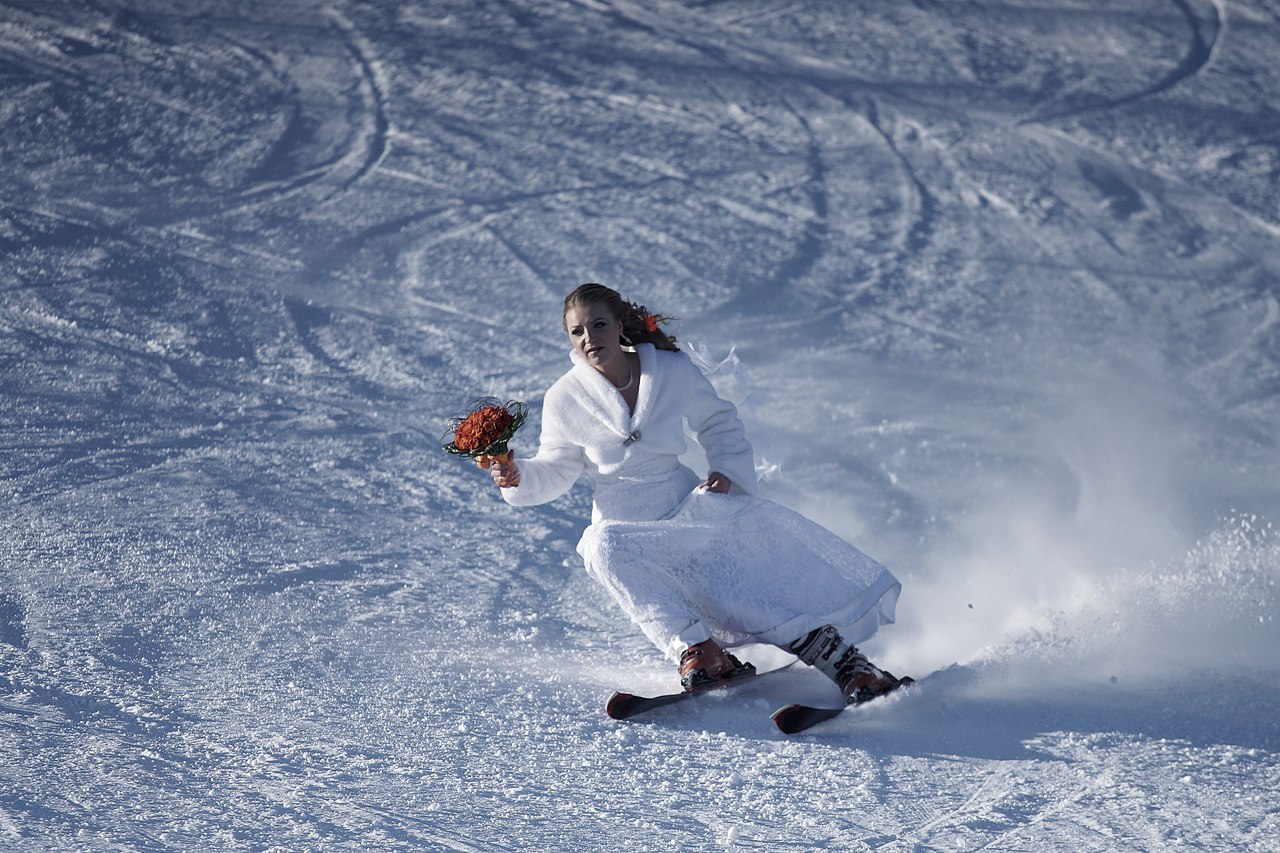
point(631, 380)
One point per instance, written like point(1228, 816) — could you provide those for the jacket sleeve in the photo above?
point(719, 430)
point(554, 469)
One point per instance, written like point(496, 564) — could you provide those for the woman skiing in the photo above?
point(698, 565)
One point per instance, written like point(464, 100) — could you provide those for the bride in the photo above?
point(699, 564)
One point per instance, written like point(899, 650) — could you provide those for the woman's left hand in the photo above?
point(718, 483)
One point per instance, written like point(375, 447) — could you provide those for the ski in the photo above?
point(624, 706)
point(793, 719)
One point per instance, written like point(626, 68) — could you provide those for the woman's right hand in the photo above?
point(505, 471)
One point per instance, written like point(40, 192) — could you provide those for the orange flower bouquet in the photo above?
point(485, 430)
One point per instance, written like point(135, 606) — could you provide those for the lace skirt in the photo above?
point(740, 569)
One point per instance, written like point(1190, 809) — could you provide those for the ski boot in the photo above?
point(704, 664)
point(858, 678)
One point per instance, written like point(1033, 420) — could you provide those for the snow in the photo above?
point(993, 283)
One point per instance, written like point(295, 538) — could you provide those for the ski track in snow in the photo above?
point(993, 284)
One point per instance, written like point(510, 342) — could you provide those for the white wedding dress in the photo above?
point(684, 563)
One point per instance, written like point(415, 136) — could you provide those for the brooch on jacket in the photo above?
point(632, 439)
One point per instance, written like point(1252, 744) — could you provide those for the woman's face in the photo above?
point(595, 334)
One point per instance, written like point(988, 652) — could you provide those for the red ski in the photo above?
point(624, 706)
point(793, 719)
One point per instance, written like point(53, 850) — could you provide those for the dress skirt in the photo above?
point(739, 569)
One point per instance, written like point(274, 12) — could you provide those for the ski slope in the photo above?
point(995, 285)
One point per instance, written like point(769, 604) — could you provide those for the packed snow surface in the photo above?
point(995, 284)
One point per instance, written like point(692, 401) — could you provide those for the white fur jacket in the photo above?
point(633, 458)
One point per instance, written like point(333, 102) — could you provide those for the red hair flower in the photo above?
point(650, 323)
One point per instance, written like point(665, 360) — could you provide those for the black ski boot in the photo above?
point(858, 678)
